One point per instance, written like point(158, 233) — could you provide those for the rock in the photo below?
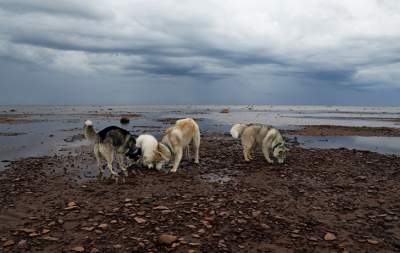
point(256, 213)
point(27, 230)
point(22, 244)
point(265, 226)
point(195, 236)
point(8, 243)
point(45, 231)
point(329, 237)
point(103, 226)
point(160, 208)
point(124, 120)
point(71, 204)
point(78, 249)
point(371, 241)
point(117, 246)
point(94, 250)
point(50, 238)
point(140, 220)
point(87, 228)
point(225, 110)
point(167, 239)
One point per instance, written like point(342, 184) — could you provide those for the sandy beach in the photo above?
point(321, 200)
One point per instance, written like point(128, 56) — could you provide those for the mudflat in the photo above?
point(333, 200)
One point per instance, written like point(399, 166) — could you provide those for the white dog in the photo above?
point(174, 142)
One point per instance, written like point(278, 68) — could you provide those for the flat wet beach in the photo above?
point(338, 196)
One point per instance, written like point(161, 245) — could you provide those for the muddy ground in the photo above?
point(318, 201)
point(331, 130)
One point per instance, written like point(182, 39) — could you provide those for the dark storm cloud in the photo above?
point(262, 45)
point(73, 8)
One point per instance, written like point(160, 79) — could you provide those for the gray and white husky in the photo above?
point(109, 142)
point(267, 137)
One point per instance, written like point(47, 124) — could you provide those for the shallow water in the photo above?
point(383, 145)
point(50, 126)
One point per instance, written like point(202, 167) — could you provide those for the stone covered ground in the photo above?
point(318, 201)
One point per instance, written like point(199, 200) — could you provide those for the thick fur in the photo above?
point(155, 154)
point(110, 142)
point(268, 138)
point(179, 137)
point(148, 144)
point(176, 139)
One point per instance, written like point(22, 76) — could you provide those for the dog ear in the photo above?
point(162, 155)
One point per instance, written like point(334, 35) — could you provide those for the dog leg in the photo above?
point(196, 145)
point(266, 146)
point(247, 143)
point(122, 165)
point(187, 151)
point(177, 160)
point(99, 161)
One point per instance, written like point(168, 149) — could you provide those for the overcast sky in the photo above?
point(200, 52)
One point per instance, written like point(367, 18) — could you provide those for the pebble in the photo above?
point(78, 249)
point(329, 237)
point(167, 239)
point(140, 220)
point(8, 243)
point(371, 241)
point(103, 226)
point(22, 244)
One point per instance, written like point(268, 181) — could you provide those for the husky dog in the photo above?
point(112, 141)
point(154, 153)
point(267, 137)
point(176, 139)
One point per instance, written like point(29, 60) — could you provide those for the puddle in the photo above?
point(382, 145)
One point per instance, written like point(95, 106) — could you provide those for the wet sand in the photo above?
point(221, 205)
point(330, 130)
point(320, 200)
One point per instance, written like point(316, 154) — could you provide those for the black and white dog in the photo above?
point(109, 142)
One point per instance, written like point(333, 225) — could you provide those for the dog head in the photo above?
point(162, 155)
point(134, 153)
point(280, 152)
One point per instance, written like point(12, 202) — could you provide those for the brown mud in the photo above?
point(328, 130)
point(318, 201)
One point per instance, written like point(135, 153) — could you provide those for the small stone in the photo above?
point(117, 246)
point(201, 231)
point(167, 239)
point(160, 208)
point(329, 237)
point(78, 249)
point(22, 244)
point(265, 226)
point(27, 230)
point(103, 226)
point(87, 228)
point(50, 238)
point(371, 241)
point(45, 231)
point(140, 220)
point(94, 250)
point(8, 243)
point(195, 236)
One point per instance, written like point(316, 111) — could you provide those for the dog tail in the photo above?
point(237, 130)
point(89, 131)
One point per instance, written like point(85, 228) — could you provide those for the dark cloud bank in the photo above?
point(199, 52)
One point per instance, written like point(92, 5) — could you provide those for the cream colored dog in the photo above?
point(267, 137)
point(176, 139)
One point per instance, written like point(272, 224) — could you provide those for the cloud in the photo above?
point(345, 44)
